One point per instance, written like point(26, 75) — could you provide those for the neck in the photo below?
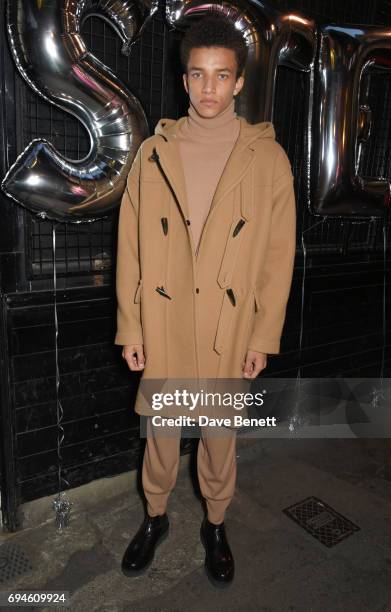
point(222, 126)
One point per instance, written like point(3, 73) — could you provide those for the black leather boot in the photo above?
point(219, 562)
point(140, 552)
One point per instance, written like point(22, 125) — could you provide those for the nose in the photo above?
point(208, 85)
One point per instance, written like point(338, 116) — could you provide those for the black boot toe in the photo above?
point(140, 552)
point(219, 561)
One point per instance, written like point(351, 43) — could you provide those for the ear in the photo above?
point(239, 85)
point(185, 85)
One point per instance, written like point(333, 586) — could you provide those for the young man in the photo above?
point(206, 247)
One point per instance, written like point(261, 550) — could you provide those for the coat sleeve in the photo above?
point(129, 329)
point(272, 291)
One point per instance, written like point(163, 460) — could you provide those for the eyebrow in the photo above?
point(218, 69)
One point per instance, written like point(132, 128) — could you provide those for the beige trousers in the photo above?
point(216, 468)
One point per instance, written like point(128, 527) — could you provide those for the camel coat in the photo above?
point(197, 314)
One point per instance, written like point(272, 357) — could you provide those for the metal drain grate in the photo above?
point(321, 521)
point(13, 562)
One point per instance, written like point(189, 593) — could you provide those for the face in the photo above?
point(211, 79)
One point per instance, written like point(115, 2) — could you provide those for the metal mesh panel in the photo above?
point(79, 248)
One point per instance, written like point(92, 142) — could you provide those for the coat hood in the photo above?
point(249, 132)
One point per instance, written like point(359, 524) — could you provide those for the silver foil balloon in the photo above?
point(343, 122)
point(50, 54)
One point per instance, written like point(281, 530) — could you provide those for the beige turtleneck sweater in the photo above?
point(205, 145)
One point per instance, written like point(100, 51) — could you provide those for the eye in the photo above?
point(224, 76)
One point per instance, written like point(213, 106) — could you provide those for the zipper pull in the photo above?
point(164, 221)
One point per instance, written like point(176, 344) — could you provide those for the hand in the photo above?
point(254, 363)
point(134, 356)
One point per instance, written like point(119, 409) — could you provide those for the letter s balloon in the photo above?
point(50, 54)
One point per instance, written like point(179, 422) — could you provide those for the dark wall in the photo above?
point(96, 391)
point(338, 280)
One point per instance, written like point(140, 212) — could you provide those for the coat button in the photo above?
point(154, 156)
point(238, 227)
point(231, 296)
point(188, 221)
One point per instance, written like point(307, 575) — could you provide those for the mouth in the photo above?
point(208, 102)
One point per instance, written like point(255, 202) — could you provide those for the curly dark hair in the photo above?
point(214, 30)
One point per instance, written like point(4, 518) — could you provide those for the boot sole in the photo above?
point(130, 573)
point(221, 584)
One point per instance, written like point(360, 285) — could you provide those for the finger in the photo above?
point(131, 358)
point(248, 367)
point(260, 365)
point(140, 357)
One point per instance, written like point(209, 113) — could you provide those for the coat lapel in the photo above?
point(172, 166)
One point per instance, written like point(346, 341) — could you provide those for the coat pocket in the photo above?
point(257, 301)
point(229, 303)
point(137, 295)
point(231, 251)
